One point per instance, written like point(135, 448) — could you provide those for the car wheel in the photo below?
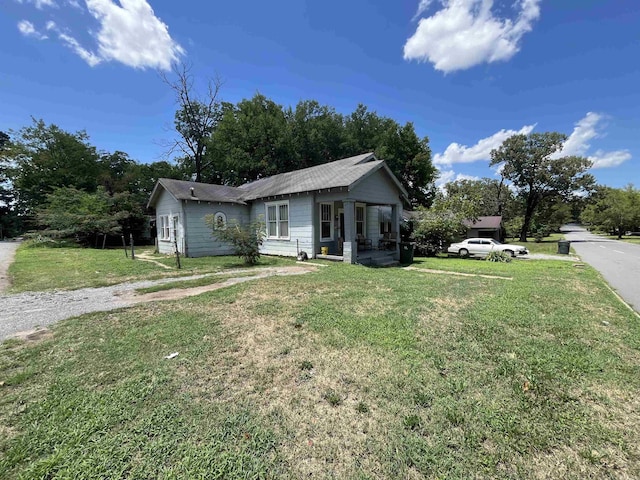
point(511, 252)
point(463, 252)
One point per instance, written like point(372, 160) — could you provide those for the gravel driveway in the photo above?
point(7, 252)
point(26, 311)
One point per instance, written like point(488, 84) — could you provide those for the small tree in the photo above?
point(246, 239)
point(73, 213)
point(435, 230)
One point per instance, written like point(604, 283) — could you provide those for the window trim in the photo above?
point(164, 227)
point(330, 221)
point(277, 206)
point(364, 218)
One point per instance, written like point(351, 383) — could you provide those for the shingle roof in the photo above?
point(485, 222)
point(206, 192)
point(341, 173)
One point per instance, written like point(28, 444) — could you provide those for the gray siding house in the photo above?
point(346, 206)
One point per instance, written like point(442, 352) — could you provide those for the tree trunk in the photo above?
point(528, 215)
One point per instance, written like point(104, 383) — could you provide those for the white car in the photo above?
point(482, 247)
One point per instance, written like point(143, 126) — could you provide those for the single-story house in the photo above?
point(351, 206)
point(486, 227)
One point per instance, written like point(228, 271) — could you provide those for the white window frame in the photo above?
point(329, 221)
point(364, 218)
point(220, 220)
point(164, 229)
point(277, 220)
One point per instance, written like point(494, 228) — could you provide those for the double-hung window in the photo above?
point(164, 229)
point(326, 222)
point(278, 220)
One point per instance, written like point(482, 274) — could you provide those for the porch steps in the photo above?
point(377, 258)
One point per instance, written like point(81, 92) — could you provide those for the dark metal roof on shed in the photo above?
point(491, 222)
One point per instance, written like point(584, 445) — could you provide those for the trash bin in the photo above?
point(406, 253)
point(563, 246)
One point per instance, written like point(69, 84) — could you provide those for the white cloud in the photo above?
point(422, 7)
point(446, 176)
point(456, 153)
point(40, 4)
point(91, 58)
point(28, 30)
point(603, 159)
point(579, 144)
point(465, 33)
point(131, 34)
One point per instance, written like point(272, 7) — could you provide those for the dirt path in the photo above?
point(7, 253)
point(24, 313)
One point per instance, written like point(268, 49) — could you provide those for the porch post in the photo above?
point(350, 246)
point(395, 222)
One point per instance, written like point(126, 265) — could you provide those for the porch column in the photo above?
point(395, 223)
point(350, 246)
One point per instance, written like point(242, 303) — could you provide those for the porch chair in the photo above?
point(388, 241)
point(363, 243)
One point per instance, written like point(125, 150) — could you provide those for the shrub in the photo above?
point(498, 256)
point(246, 239)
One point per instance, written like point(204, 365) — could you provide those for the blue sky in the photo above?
point(467, 73)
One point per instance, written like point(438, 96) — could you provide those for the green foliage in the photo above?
point(530, 164)
point(306, 365)
point(477, 198)
point(434, 230)
point(246, 239)
point(258, 137)
point(614, 210)
point(48, 157)
point(72, 213)
point(332, 397)
point(498, 256)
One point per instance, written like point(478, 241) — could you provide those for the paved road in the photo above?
point(7, 251)
point(618, 262)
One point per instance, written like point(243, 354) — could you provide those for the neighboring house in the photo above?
point(333, 205)
point(485, 227)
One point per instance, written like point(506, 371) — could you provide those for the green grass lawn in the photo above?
point(548, 245)
point(625, 238)
point(38, 269)
point(348, 372)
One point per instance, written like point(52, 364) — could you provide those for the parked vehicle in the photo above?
point(482, 246)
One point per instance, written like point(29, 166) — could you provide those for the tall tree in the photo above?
point(318, 133)
point(615, 210)
point(47, 157)
point(195, 119)
point(252, 140)
point(530, 165)
point(476, 198)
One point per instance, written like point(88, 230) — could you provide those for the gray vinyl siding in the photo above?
point(200, 240)
point(300, 226)
point(376, 188)
point(373, 223)
point(167, 205)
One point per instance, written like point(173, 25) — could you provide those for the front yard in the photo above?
point(348, 372)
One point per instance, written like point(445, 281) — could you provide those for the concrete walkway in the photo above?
point(7, 253)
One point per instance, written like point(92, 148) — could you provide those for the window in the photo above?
point(326, 221)
point(163, 227)
point(278, 220)
point(360, 220)
point(220, 220)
